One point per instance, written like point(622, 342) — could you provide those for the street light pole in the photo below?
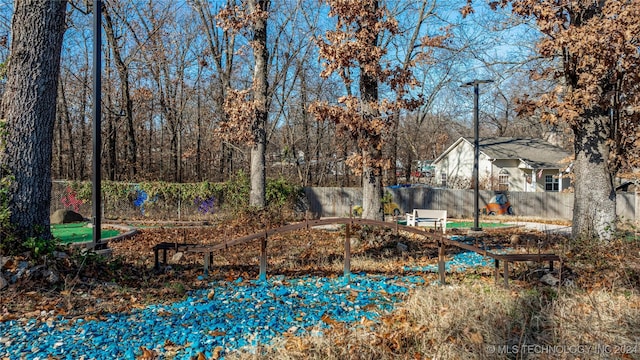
point(476, 149)
point(96, 198)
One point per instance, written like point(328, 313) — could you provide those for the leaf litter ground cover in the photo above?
point(122, 305)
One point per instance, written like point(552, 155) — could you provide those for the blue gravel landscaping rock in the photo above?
point(242, 313)
point(462, 261)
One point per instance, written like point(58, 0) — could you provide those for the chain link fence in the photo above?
point(135, 204)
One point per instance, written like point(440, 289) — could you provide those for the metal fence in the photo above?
point(332, 201)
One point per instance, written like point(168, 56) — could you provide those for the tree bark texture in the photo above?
point(372, 180)
point(393, 139)
point(29, 108)
point(371, 176)
point(594, 212)
point(257, 196)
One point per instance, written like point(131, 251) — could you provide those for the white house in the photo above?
point(513, 164)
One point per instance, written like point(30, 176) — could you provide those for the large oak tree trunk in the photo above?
point(594, 209)
point(29, 107)
point(372, 191)
point(257, 196)
point(372, 154)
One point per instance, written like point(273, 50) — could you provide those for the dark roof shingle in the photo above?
point(535, 152)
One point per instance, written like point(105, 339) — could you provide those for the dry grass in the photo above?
point(472, 322)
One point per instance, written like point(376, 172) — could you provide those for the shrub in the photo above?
point(279, 193)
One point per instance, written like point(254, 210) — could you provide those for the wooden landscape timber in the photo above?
point(442, 241)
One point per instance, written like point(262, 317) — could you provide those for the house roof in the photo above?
point(536, 153)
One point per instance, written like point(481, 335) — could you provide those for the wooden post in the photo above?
point(347, 251)
point(306, 220)
point(506, 274)
point(164, 257)
point(155, 255)
point(263, 258)
point(441, 265)
point(560, 274)
point(496, 268)
point(206, 263)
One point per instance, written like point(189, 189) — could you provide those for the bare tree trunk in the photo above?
point(223, 165)
point(111, 148)
point(594, 210)
point(173, 144)
point(305, 175)
point(393, 137)
point(179, 153)
point(83, 124)
point(112, 156)
point(161, 167)
point(408, 167)
point(257, 196)
point(125, 94)
point(199, 175)
point(58, 144)
point(222, 47)
point(71, 170)
point(29, 107)
point(149, 161)
point(371, 175)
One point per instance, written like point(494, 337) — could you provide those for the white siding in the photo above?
point(457, 164)
point(510, 166)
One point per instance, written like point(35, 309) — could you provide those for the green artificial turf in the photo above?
point(78, 232)
point(469, 224)
point(465, 224)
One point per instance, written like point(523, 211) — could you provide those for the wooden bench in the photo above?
point(497, 258)
point(426, 217)
point(164, 246)
point(507, 258)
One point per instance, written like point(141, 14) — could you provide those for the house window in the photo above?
point(551, 183)
point(503, 180)
point(443, 177)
